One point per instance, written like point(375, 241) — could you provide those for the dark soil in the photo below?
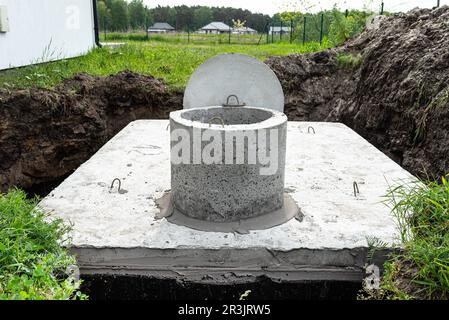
point(263, 288)
point(397, 97)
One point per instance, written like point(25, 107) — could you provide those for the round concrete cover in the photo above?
point(251, 80)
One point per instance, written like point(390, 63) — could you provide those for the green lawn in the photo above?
point(173, 62)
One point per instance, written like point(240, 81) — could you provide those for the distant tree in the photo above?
point(104, 15)
point(136, 11)
point(202, 16)
point(119, 15)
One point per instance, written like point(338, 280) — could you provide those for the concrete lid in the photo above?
point(251, 80)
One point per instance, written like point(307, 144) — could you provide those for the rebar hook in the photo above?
point(356, 188)
point(119, 184)
point(216, 118)
point(227, 104)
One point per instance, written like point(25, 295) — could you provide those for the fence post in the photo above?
point(229, 35)
point(291, 30)
point(322, 27)
point(346, 13)
point(146, 27)
point(105, 32)
point(268, 33)
point(382, 8)
point(272, 33)
point(438, 3)
point(304, 31)
point(281, 31)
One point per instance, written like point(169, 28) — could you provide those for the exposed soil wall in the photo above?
point(46, 134)
point(396, 95)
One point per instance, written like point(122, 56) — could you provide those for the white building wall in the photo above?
point(46, 30)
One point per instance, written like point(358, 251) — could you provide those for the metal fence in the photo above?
point(301, 29)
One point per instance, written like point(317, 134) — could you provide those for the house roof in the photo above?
point(216, 26)
point(278, 29)
point(245, 29)
point(162, 26)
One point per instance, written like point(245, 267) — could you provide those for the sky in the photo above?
point(273, 6)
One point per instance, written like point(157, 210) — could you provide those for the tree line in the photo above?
point(120, 15)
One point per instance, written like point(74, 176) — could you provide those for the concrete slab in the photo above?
point(117, 232)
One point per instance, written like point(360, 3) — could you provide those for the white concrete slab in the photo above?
point(112, 229)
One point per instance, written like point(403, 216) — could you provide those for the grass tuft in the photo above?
point(349, 61)
point(421, 270)
point(32, 262)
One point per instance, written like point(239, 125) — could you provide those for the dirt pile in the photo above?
point(46, 134)
point(390, 84)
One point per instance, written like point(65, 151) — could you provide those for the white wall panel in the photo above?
point(45, 30)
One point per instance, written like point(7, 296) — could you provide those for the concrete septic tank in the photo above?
point(210, 222)
point(233, 170)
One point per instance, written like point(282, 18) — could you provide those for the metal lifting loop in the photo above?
point(216, 118)
point(228, 100)
point(119, 184)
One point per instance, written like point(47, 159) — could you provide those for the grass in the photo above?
point(32, 262)
point(421, 270)
point(172, 62)
point(349, 61)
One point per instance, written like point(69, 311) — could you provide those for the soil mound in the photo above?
point(390, 84)
point(46, 134)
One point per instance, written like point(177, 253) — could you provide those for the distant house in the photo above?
point(244, 30)
point(278, 30)
point(215, 28)
point(161, 27)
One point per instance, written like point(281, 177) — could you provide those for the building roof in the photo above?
point(278, 29)
point(216, 26)
point(244, 29)
point(162, 26)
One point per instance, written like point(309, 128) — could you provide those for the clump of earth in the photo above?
point(390, 84)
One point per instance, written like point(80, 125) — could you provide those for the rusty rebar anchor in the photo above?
point(356, 189)
point(119, 190)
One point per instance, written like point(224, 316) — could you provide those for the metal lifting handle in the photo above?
point(216, 118)
point(227, 104)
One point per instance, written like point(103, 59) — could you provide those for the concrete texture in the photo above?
point(252, 81)
point(228, 189)
point(116, 232)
